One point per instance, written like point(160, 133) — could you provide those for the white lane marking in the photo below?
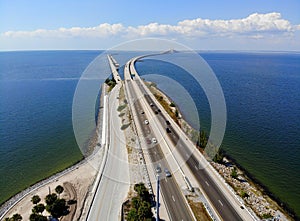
point(207, 183)
point(173, 198)
point(220, 202)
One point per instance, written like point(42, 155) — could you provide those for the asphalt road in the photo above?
point(215, 195)
point(114, 184)
point(172, 195)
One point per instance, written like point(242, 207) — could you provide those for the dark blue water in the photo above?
point(262, 98)
point(36, 92)
point(262, 93)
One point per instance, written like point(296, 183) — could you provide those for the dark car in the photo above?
point(168, 122)
point(167, 172)
point(158, 169)
point(168, 130)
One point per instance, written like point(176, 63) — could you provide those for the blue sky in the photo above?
point(207, 25)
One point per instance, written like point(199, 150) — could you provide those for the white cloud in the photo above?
point(255, 24)
point(103, 30)
point(267, 29)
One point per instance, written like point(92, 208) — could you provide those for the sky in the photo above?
point(101, 24)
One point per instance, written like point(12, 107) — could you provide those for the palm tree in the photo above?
point(35, 199)
point(59, 189)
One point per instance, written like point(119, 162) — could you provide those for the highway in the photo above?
point(205, 180)
point(114, 184)
point(115, 181)
point(173, 198)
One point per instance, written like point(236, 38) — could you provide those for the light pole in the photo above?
point(157, 197)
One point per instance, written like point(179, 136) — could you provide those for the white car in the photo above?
point(154, 140)
point(146, 122)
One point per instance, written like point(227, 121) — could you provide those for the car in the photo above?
point(158, 110)
point(151, 104)
point(155, 112)
point(167, 172)
point(168, 122)
point(146, 122)
point(148, 141)
point(158, 169)
point(142, 112)
point(154, 140)
point(168, 130)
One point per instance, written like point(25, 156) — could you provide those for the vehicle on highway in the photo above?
point(168, 122)
point(151, 104)
point(156, 112)
point(158, 169)
point(148, 141)
point(142, 112)
point(167, 172)
point(154, 140)
point(168, 130)
point(146, 122)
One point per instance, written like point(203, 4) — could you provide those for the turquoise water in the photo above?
point(262, 98)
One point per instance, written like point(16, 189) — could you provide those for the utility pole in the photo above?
point(157, 197)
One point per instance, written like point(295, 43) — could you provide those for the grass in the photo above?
point(166, 106)
point(199, 210)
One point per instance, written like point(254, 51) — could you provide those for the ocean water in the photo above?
point(263, 113)
point(262, 93)
point(36, 134)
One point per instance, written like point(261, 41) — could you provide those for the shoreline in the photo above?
point(11, 202)
point(251, 179)
point(264, 189)
point(92, 148)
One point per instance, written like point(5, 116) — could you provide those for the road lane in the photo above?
point(215, 195)
point(114, 184)
point(172, 196)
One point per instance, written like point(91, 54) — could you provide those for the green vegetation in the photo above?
point(35, 199)
point(267, 216)
point(59, 189)
point(111, 83)
point(234, 173)
point(244, 194)
point(219, 156)
point(37, 217)
point(38, 208)
point(54, 205)
point(166, 106)
point(140, 206)
point(15, 217)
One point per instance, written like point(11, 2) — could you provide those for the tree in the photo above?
point(132, 215)
point(58, 208)
point(136, 202)
point(203, 138)
point(51, 198)
point(39, 208)
point(15, 217)
point(59, 189)
point(144, 211)
point(35, 199)
point(37, 217)
point(142, 191)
